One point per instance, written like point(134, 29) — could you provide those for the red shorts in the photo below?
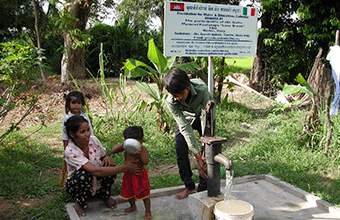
point(136, 186)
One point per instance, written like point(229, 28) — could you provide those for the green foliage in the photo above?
point(73, 26)
point(320, 22)
point(19, 65)
point(52, 45)
point(160, 145)
point(114, 109)
point(18, 61)
point(15, 15)
point(287, 49)
point(120, 42)
point(162, 65)
point(138, 12)
point(304, 88)
point(281, 107)
point(286, 55)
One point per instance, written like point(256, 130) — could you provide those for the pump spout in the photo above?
point(219, 158)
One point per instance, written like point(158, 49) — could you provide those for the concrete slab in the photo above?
point(272, 199)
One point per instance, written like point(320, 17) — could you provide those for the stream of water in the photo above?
point(228, 184)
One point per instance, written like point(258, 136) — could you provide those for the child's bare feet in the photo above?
point(184, 194)
point(131, 209)
point(111, 203)
point(79, 210)
point(147, 216)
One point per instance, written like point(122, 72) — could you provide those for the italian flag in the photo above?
point(249, 11)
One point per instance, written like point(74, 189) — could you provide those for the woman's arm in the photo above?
point(131, 167)
point(65, 143)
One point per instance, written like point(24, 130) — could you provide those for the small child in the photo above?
point(135, 187)
point(73, 106)
point(74, 103)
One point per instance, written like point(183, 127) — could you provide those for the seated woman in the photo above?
point(91, 171)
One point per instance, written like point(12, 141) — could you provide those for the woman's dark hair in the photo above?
point(176, 81)
point(135, 132)
point(73, 123)
point(78, 95)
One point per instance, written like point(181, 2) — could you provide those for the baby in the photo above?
point(135, 187)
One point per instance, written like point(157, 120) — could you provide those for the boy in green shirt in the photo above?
point(188, 98)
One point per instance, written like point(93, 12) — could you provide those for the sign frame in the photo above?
point(209, 30)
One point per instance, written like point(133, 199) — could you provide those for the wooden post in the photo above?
point(337, 37)
point(211, 75)
point(328, 104)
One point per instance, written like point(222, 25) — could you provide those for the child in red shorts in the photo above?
point(135, 187)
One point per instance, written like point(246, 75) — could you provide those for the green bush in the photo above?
point(19, 64)
point(119, 43)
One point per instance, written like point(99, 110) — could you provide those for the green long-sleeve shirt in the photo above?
point(186, 113)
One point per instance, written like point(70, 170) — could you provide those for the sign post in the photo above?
point(209, 30)
point(211, 75)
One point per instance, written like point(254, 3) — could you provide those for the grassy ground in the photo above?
point(261, 140)
point(240, 64)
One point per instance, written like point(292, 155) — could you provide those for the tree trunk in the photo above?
point(320, 79)
point(72, 61)
point(328, 121)
point(220, 80)
point(257, 79)
point(257, 74)
point(42, 73)
point(328, 104)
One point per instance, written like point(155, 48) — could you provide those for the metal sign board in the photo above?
point(209, 30)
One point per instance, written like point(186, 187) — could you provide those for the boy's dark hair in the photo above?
point(176, 81)
point(73, 123)
point(77, 95)
point(135, 132)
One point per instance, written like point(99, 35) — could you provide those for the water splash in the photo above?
point(228, 184)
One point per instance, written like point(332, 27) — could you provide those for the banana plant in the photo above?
point(161, 65)
point(313, 120)
point(304, 87)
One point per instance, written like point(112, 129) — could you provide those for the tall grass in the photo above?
point(117, 103)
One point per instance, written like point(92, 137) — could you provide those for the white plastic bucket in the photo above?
point(233, 210)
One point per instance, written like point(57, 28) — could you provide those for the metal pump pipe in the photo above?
point(219, 158)
point(213, 147)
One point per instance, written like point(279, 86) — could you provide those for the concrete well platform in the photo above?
point(271, 198)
